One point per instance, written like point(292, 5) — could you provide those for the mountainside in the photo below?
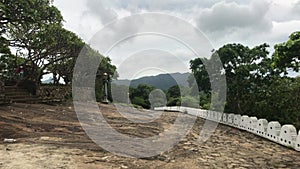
point(162, 81)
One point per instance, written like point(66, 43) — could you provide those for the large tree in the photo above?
point(286, 55)
point(257, 83)
point(140, 95)
point(26, 26)
point(33, 28)
point(245, 69)
point(55, 51)
point(23, 15)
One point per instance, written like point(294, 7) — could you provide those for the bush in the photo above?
point(174, 102)
point(140, 102)
point(190, 101)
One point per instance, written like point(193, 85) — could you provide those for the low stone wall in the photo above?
point(285, 135)
point(54, 93)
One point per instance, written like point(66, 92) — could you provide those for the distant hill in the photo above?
point(162, 81)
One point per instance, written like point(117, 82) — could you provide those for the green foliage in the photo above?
point(162, 81)
point(280, 102)
point(200, 74)
point(174, 101)
point(255, 83)
point(140, 102)
point(33, 28)
point(174, 96)
point(244, 73)
point(189, 101)
point(174, 92)
point(205, 99)
point(52, 49)
point(182, 96)
point(157, 98)
point(287, 55)
point(18, 16)
point(25, 13)
point(140, 95)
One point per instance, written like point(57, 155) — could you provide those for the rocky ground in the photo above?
point(50, 136)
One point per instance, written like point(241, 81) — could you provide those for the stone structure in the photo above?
point(244, 122)
point(252, 124)
point(285, 135)
point(10, 94)
point(262, 126)
point(273, 131)
point(230, 120)
point(54, 93)
point(288, 135)
point(237, 120)
point(297, 144)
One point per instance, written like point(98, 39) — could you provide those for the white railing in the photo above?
point(285, 135)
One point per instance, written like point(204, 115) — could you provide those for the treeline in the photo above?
point(148, 97)
point(257, 84)
point(32, 36)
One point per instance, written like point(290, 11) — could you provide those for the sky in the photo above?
point(216, 23)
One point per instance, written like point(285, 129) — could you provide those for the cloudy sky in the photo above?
point(250, 22)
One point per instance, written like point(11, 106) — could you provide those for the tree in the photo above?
point(8, 67)
point(280, 102)
point(245, 70)
point(256, 85)
point(286, 55)
point(190, 101)
point(174, 92)
point(174, 96)
point(25, 14)
point(200, 75)
point(34, 29)
point(50, 46)
point(157, 98)
point(140, 95)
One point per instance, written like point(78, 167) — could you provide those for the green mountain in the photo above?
point(161, 81)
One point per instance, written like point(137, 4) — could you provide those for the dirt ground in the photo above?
point(50, 136)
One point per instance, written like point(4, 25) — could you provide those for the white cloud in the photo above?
point(97, 8)
point(282, 30)
point(250, 22)
point(149, 62)
point(225, 16)
point(283, 11)
point(296, 9)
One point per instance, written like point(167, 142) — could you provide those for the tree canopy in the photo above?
point(33, 29)
point(255, 83)
point(287, 54)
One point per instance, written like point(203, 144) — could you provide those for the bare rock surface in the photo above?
point(50, 136)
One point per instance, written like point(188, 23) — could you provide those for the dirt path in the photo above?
point(50, 136)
